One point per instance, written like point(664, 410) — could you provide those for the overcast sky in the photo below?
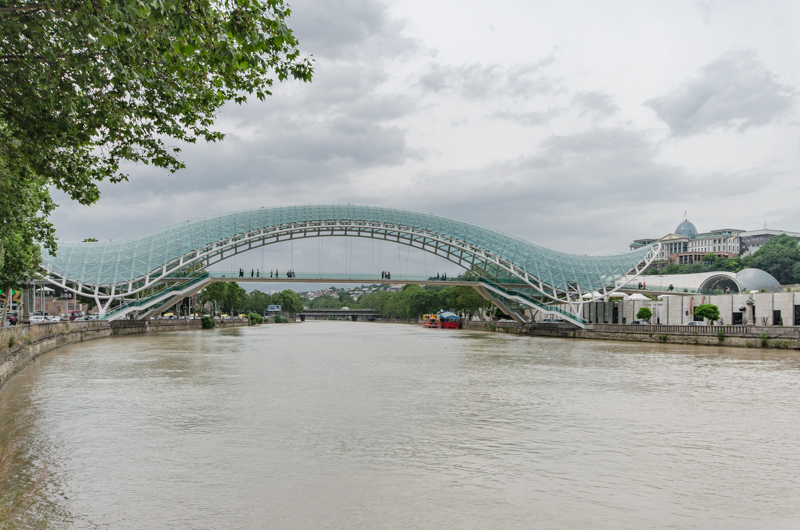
point(577, 125)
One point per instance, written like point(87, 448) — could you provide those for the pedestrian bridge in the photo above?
point(137, 274)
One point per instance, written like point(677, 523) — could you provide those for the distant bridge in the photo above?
point(160, 268)
point(353, 314)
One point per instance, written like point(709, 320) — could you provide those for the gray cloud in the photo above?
point(530, 118)
point(580, 192)
point(476, 81)
point(338, 29)
point(735, 90)
point(596, 105)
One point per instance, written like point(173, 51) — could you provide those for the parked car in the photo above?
point(640, 323)
point(695, 323)
point(75, 314)
point(37, 319)
point(54, 318)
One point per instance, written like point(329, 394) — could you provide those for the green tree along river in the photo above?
point(369, 425)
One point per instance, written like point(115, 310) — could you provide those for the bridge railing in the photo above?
point(540, 305)
point(365, 277)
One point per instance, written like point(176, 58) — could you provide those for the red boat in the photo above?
point(448, 320)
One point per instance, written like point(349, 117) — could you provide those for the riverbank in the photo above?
point(773, 337)
point(20, 345)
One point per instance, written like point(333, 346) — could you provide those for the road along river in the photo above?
point(368, 425)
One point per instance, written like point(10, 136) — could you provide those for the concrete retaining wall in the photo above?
point(736, 336)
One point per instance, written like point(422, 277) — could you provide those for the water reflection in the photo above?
point(363, 425)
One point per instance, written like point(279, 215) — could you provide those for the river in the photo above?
point(358, 425)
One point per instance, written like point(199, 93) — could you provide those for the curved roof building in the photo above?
point(744, 281)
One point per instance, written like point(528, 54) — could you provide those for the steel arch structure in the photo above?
point(125, 268)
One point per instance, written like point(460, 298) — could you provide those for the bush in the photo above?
point(644, 314)
point(207, 322)
point(720, 335)
point(663, 337)
point(764, 340)
point(281, 320)
point(255, 318)
point(709, 311)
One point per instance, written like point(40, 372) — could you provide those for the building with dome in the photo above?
point(686, 229)
point(686, 245)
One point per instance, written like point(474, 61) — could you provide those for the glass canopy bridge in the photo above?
point(139, 274)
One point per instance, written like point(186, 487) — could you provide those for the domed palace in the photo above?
point(686, 245)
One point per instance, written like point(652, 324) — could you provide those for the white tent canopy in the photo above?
point(638, 296)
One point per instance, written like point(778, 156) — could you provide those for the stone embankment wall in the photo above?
point(19, 345)
point(738, 336)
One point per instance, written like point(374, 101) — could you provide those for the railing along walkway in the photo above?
point(730, 331)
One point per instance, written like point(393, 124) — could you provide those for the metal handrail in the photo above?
point(148, 300)
point(543, 307)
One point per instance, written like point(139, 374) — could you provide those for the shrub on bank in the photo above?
point(281, 319)
point(207, 321)
point(255, 318)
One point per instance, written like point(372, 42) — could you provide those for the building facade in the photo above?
point(760, 309)
point(686, 245)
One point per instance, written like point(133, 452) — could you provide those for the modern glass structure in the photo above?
point(511, 267)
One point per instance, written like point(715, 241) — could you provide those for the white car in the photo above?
point(37, 319)
point(695, 323)
point(54, 318)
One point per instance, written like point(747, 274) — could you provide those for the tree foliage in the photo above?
point(20, 259)
point(85, 85)
point(325, 302)
point(289, 301)
point(25, 205)
point(709, 263)
point(257, 302)
point(644, 313)
point(780, 257)
point(413, 301)
point(230, 297)
point(707, 311)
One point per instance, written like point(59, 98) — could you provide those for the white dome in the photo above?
point(756, 279)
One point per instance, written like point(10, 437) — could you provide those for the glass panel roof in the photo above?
point(120, 261)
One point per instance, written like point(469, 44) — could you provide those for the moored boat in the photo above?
point(448, 320)
point(429, 320)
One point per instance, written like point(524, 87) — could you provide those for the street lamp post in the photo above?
point(25, 299)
